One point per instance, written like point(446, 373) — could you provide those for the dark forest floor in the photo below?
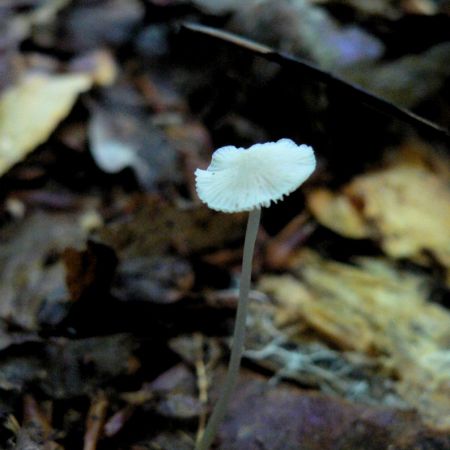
point(118, 288)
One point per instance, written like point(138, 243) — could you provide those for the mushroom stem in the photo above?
point(237, 347)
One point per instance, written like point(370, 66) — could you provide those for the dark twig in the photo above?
point(352, 90)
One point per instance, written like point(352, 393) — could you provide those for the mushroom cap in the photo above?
point(241, 179)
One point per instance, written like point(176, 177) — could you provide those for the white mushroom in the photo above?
point(241, 179)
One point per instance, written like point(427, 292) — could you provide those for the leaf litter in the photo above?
point(373, 309)
point(392, 206)
point(118, 290)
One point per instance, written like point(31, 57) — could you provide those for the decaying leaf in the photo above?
point(301, 27)
point(32, 109)
point(159, 280)
point(79, 367)
point(122, 137)
point(32, 274)
point(288, 418)
point(90, 271)
point(406, 206)
point(375, 309)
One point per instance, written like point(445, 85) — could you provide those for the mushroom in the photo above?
point(239, 180)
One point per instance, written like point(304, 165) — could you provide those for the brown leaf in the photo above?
point(90, 270)
point(32, 275)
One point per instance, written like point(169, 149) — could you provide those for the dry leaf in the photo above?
point(33, 288)
point(338, 213)
point(373, 308)
point(406, 206)
point(303, 28)
point(31, 110)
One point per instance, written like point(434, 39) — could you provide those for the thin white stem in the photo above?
point(237, 347)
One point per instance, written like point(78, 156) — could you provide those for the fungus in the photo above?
point(239, 180)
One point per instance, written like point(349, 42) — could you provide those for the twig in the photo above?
point(95, 421)
point(294, 63)
point(202, 384)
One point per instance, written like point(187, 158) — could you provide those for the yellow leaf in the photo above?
point(337, 213)
point(32, 109)
point(405, 206)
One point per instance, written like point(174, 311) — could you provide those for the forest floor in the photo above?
point(118, 288)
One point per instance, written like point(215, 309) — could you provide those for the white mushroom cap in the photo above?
point(241, 179)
